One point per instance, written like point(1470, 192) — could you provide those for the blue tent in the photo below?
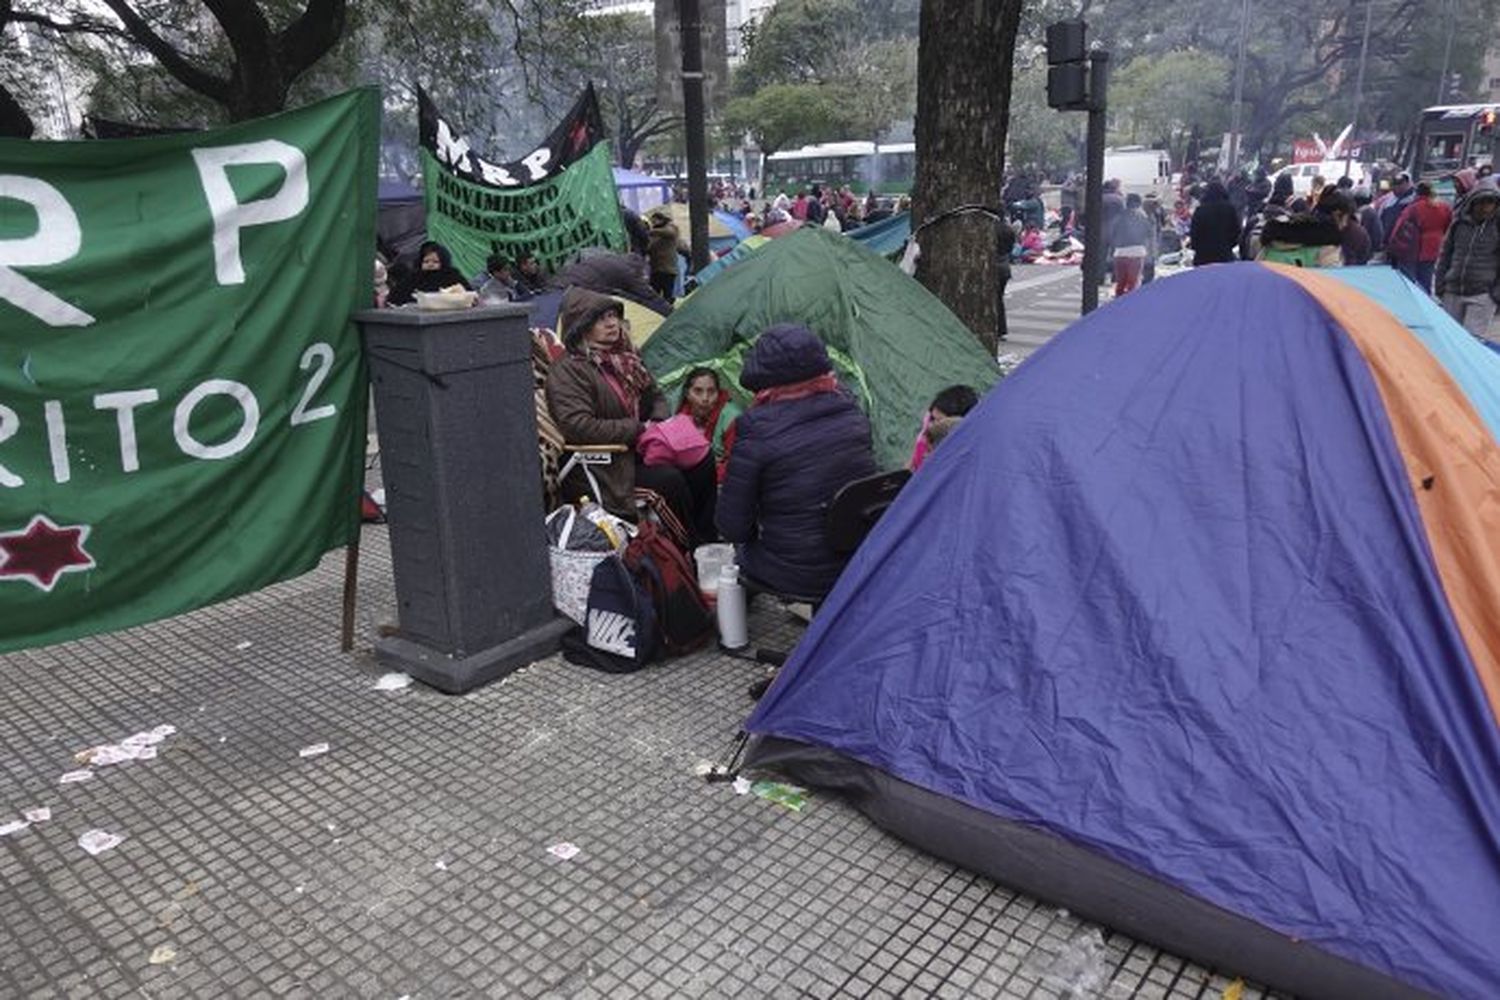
point(1191, 627)
point(638, 191)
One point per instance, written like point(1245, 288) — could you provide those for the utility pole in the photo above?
point(1093, 189)
point(1359, 90)
point(1078, 80)
point(1442, 93)
point(693, 123)
point(1239, 88)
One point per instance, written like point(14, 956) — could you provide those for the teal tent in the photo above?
point(895, 346)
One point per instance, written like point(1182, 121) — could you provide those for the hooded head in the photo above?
point(581, 308)
point(445, 259)
point(1474, 206)
point(784, 354)
point(1215, 191)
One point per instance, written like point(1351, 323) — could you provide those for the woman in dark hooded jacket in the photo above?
point(599, 392)
point(1215, 228)
point(435, 272)
point(802, 440)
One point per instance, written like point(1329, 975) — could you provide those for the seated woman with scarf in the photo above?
point(712, 411)
point(801, 441)
point(435, 272)
point(599, 392)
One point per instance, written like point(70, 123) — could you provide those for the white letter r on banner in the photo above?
point(229, 215)
point(57, 238)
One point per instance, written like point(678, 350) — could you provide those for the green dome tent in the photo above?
point(893, 343)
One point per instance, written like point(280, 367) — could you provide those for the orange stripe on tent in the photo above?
point(1441, 438)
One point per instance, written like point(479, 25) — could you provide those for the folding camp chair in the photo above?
point(560, 458)
point(850, 516)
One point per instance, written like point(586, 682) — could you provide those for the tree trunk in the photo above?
point(964, 59)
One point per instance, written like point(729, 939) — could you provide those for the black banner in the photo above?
point(569, 142)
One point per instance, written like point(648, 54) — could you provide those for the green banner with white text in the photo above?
point(182, 394)
point(554, 202)
point(554, 219)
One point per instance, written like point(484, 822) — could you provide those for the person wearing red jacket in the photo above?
point(1417, 239)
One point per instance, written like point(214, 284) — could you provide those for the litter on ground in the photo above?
point(789, 796)
point(73, 777)
point(317, 749)
point(564, 850)
point(98, 841)
point(14, 826)
point(393, 682)
point(40, 814)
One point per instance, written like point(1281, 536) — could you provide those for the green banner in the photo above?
point(553, 219)
point(182, 394)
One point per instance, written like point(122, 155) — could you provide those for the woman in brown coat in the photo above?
point(599, 392)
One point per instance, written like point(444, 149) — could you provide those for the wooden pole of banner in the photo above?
point(351, 589)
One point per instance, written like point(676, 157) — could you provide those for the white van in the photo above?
point(1140, 170)
point(1302, 174)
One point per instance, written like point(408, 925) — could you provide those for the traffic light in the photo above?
point(1067, 66)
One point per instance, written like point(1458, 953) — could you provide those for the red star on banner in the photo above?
point(579, 137)
point(43, 551)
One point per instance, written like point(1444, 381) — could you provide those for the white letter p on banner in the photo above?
point(229, 215)
point(57, 238)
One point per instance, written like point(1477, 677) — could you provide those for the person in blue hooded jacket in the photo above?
point(803, 438)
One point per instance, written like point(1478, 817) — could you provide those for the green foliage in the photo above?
point(1301, 59)
point(1039, 138)
point(860, 53)
point(787, 115)
point(1162, 100)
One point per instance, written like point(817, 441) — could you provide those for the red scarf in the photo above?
point(826, 382)
point(711, 422)
point(622, 369)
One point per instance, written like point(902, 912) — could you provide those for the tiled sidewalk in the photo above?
point(411, 859)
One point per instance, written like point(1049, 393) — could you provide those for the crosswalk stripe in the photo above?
point(1051, 312)
point(1022, 323)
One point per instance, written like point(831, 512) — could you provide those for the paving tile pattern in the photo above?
point(411, 859)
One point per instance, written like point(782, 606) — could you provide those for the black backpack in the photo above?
point(683, 621)
point(619, 631)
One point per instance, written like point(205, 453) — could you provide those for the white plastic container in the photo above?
point(730, 608)
point(711, 560)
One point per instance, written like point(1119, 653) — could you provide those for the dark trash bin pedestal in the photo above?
point(455, 411)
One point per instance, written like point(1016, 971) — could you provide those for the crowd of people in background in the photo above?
point(1450, 249)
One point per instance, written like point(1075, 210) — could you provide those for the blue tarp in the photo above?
point(885, 237)
point(1166, 594)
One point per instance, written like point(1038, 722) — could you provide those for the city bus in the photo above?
point(889, 168)
point(1451, 137)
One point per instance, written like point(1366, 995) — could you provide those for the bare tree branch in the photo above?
point(303, 42)
point(174, 62)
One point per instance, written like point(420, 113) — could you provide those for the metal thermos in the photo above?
point(733, 632)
